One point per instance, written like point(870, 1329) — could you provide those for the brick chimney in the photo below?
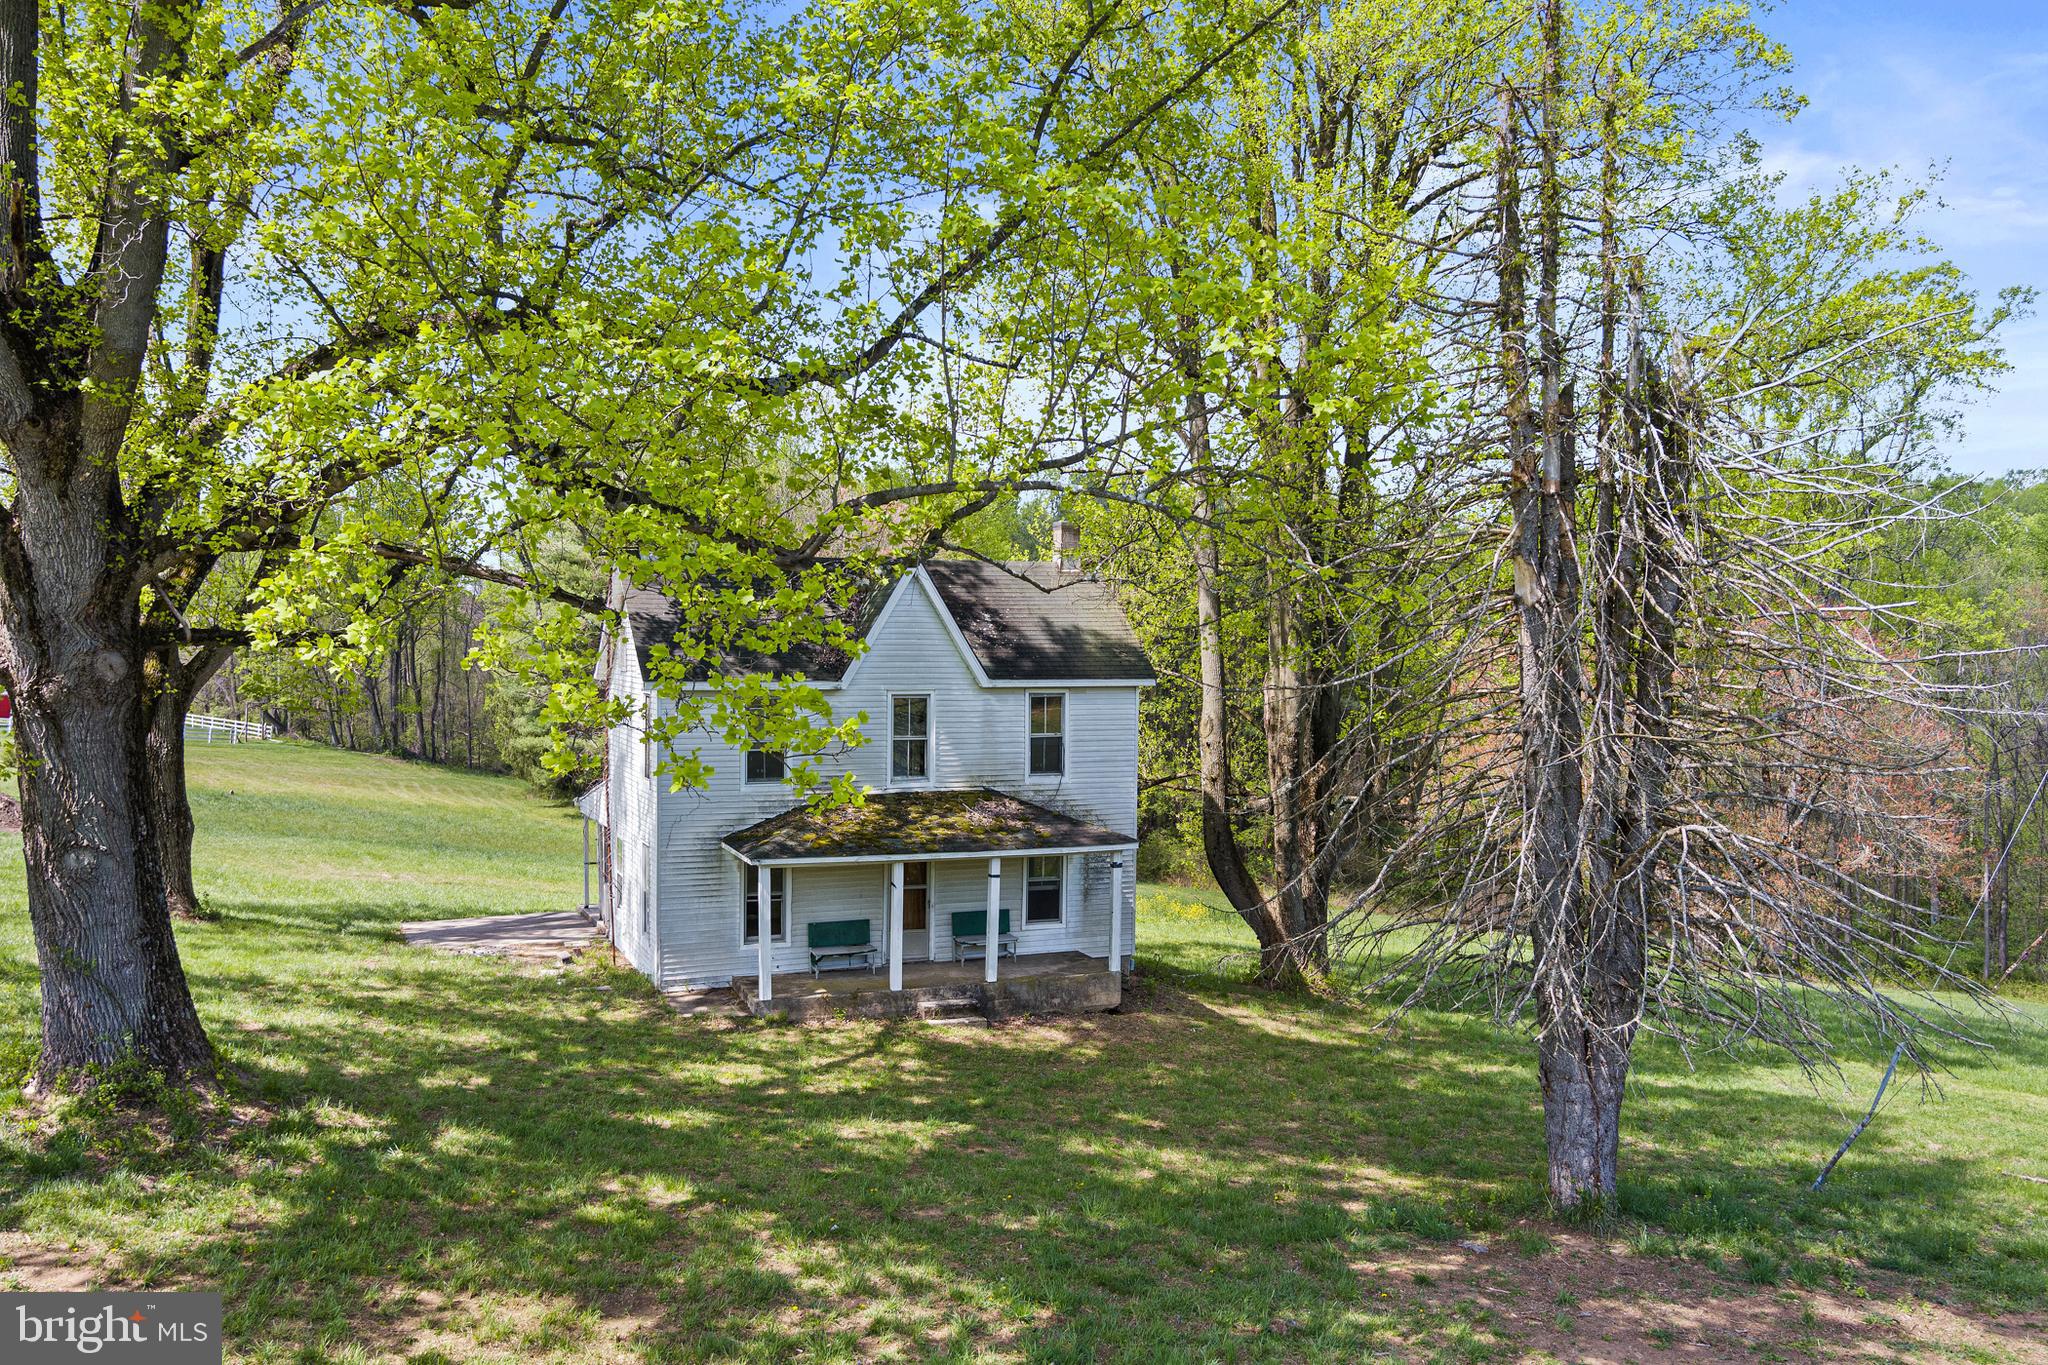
point(1066, 547)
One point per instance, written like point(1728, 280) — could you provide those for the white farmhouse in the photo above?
point(991, 865)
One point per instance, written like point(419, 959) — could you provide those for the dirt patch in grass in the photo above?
point(427, 1325)
point(28, 1265)
point(1592, 1300)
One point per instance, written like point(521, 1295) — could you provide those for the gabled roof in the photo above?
point(656, 620)
point(918, 824)
point(1022, 622)
point(1033, 623)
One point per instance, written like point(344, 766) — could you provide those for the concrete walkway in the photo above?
point(547, 935)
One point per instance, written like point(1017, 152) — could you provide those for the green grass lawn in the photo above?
point(456, 1159)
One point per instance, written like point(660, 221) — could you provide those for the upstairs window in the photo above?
point(1043, 881)
point(750, 928)
point(765, 765)
point(1048, 734)
point(910, 739)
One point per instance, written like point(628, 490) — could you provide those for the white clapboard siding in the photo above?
point(979, 737)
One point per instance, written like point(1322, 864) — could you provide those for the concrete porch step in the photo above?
point(968, 1004)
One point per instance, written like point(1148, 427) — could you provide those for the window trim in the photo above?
point(931, 727)
point(747, 778)
point(748, 876)
point(1059, 861)
point(1032, 774)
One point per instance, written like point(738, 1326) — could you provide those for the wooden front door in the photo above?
point(917, 911)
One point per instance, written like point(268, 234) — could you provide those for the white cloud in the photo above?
point(2004, 430)
point(1930, 92)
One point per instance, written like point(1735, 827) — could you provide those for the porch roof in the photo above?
point(976, 821)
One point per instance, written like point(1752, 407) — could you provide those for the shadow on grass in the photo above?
point(560, 1158)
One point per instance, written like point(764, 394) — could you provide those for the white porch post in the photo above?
point(895, 926)
point(1116, 912)
point(764, 930)
point(992, 947)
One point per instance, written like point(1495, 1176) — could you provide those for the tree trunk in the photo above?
point(1219, 836)
point(173, 684)
point(396, 740)
point(420, 717)
point(113, 991)
point(1290, 762)
point(1583, 1073)
point(1580, 1075)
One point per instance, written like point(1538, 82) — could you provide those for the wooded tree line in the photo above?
point(1509, 474)
point(1980, 796)
point(421, 691)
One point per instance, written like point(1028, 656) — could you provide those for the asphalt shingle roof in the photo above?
point(1024, 623)
point(656, 620)
point(1031, 623)
point(918, 824)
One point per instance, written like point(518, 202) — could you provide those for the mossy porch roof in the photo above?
point(918, 824)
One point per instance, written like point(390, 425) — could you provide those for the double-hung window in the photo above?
point(1048, 734)
point(1043, 882)
point(765, 765)
point(910, 721)
point(778, 926)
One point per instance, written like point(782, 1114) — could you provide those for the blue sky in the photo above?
point(1961, 85)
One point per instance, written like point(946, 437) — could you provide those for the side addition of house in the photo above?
point(991, 863)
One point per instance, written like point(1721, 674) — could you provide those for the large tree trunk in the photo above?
point(113, 993)
point(1220, 846)
point(112, 988)
point(1225, 855)
point(1580, 1080)
point(1299, 891)
point(1583, 1070)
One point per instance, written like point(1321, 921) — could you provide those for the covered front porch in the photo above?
point(1036, 983)
point(945, 928)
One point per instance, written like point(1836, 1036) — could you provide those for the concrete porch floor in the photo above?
point(1034, 983)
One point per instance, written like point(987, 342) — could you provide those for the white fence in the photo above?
point(206, 729)
point(227, 728)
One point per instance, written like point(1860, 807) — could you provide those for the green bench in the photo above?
point(830, 939)
point(970, 930)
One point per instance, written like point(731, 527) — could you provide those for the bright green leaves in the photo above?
point(709, 291)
